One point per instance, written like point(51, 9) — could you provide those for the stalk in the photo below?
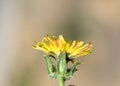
point(60, 81)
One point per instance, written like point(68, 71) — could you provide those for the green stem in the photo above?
point(61, 81)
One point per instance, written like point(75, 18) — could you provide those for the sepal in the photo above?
point(50, 67)
point(71, 71)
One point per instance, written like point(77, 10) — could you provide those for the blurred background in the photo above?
point(23, 21)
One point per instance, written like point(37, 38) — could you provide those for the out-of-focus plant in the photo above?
point(63, 52)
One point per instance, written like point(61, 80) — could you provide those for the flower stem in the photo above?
point(61, 81)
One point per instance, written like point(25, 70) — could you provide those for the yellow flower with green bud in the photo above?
point(63, 52)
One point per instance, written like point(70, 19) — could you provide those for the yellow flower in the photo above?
point(57, 45)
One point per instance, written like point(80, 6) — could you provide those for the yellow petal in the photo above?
point(49, 40)
point(57, 43)
point(62, 42)
point(77, 47)
point(40, 47)
point(67, 47)
point(74, 43)
point(86, 49)
point(51, 44)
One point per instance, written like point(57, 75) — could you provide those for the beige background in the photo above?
point(23, 21)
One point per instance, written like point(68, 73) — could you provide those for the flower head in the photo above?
point(57, 45)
